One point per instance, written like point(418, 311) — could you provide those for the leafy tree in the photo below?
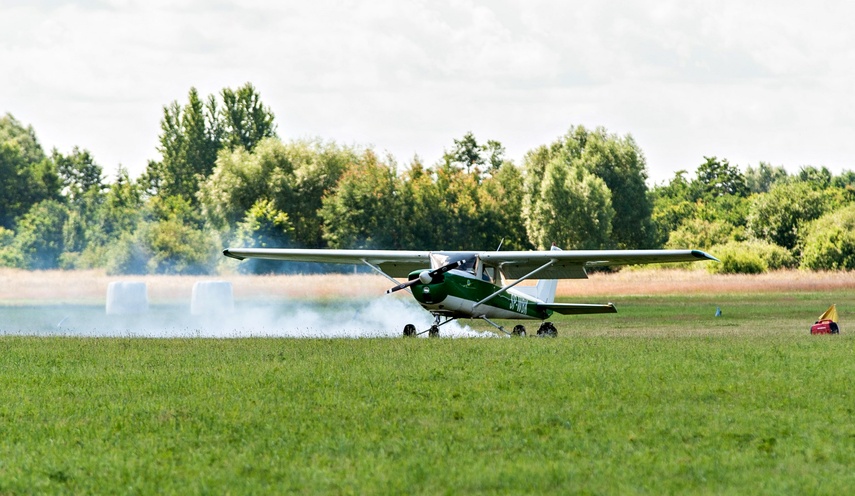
point(78, 173)
point(27, 177)
point(422, 208)
point(245, 120)
point(170, 239)
point(819, 178)
point(701, 234)
point(672, 205)
point(294, 176)
point(363, 211)
point(472, 157)
point(779, 215)
point(501, 198)
point(189, 142)
point(264, 227)
point(99, 220)
point(241, 178)
point(573, 210)
point(761, 179)
point(829, 242)
point(717, 178)
point(618, 162)
point(23, 139)
point(39, 237)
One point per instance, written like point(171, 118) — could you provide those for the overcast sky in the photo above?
point(748, 81)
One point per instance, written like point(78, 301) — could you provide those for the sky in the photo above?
point(768, 81)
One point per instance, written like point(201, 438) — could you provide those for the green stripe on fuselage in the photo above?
point(474, 290)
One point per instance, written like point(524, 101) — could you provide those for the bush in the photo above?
point(829, 242)
point(750, 257)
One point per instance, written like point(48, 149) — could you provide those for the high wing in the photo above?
point(395, 263)
point(571, 264)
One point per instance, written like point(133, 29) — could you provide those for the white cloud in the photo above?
point(746, 81)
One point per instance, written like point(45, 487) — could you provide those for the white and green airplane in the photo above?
point(482, 284)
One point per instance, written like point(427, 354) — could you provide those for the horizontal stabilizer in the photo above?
point(577, 308)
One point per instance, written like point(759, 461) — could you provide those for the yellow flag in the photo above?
point(830, 314)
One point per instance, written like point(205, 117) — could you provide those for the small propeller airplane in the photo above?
point(471, 284)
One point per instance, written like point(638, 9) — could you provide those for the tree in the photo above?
point(27, 177)
point(294, 176)
point(761, 179)
point(78, 173)
point(572, 210)
point(264, 227)
point(189, 142)
point(829, 241)
point(39, 236)
point(363, 211)
point(717, 178)
point(472, 157)
point(170, 239)
point(23, 139)
point(779, 215)
point(245, 120)
point(501, 199)
point(618, 162)
point(820, 177)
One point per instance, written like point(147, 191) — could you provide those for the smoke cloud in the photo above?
point(375, 318)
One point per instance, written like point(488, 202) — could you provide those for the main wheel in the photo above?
point(409, 331)
point(433, 332)
point(519, 330)
point(547, 330)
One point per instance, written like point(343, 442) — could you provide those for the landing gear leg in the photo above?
point(433, 331)
point(547, 330)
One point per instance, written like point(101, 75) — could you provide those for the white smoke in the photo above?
point(376, 318)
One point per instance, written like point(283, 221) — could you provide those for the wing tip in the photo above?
point(229, 254)
point(704, 255)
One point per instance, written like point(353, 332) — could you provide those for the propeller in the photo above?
point(427, 276)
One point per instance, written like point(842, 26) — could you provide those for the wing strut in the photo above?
point(521, 279)
point(387, 276)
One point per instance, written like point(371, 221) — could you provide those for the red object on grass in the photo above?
point(825, 327)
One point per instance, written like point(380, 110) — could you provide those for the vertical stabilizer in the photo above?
point(546, 287)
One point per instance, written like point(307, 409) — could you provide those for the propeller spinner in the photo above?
point(426, 276)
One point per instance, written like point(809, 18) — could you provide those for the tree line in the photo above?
point(225, 178)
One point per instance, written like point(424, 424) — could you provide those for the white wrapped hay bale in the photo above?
point(212, 298)
point(127, 298)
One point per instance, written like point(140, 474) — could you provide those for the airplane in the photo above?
point(475, 284)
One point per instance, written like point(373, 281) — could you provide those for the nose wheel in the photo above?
point(409, 331)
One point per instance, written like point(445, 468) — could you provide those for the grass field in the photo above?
point(662, 397)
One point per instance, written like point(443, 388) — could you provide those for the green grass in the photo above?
point(660, 398)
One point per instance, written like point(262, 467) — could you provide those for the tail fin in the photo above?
point(545, 289)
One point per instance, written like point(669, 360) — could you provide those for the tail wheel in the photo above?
point(519, 330)
point(409, 331)
point(547, 330)
point(433, 332)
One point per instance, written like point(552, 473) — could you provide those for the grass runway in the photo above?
point(662, 397)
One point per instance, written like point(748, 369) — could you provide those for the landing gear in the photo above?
point(547, 330)
point(432, 332)
point(519, 330)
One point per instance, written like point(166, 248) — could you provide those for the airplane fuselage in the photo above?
point(456, 293)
